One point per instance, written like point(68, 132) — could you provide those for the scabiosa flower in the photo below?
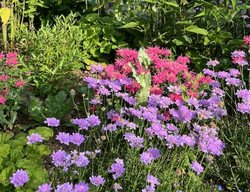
point(52, 122)
point(64, 138)
point(19, 178)
point(81, 187)
point(152, 180)
point(182, 114)
point(97, 180)
point(93, 120)
point(234, 72)
point(197, 167)
point(146, 158)
point(154, 152)
point(2, 100)
point(65, 187)
point(134, 141)
point(81, 160)
point(212, 63)
point(59, 157)
point(77, 139)
point(34, 138)
point(233, 81)
point(243, 108)
point(117, 168)
point(44, 188)
point(117, 187)
point(97, 68)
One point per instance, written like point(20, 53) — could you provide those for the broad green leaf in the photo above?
point(43, 149)
point(201, 14)
point(4, 136)
point(45, 132)
point(206, 41)
point(25, 163)
point(130, 25)
point(5, 175)
point(177, 42)
point(195, 29)
point(173, 4)
point(4, 150)
point(5, 14)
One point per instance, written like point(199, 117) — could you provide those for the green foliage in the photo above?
point(232, 170)
point(16, 154)
point(58, 106)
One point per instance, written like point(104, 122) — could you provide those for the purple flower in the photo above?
point(117, 168)
point(77, 139)
point(197, 167)
point(237, 53)
point(234, 72)
point(95, 101)
point(243, 108)
point(154, 152)
point(244, 94)
point(81, 123)
point(135, 141)
point(65, 187)
point(97, 180)
point(59, 158)
point(103, 91)
point(52, 122)
point(110, 127)
point(233, 81)
point(19, 178)
point(44, 188)
point(92, 82)
point(64, 138)
point(149, 188)
point(175, 89)
point(209, 72)
point(153, 181)
point(182, 114)
point(188, 140)
point(172, 128)
point(146, 158)
point(81, 160)
point(212, 63)
point(223, 74)
point(96, 68)
point(34, 138)
point(93, 120)
point(81, 187)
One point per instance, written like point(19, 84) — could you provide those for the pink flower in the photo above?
point(247, 40)
point(4, 77)
point(11, 61)
point(2, 100)
point(19, 83)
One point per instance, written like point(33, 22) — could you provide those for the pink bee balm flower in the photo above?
point(19, 83)
point(2, 100)
point(247, 40)
point(4, 77)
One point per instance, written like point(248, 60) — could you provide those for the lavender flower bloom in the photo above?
point(97, 180)
point(243, 108)
point(234, 72)
point(117, 187)
point(77, 139)
point(204, 114)
point(96, 68)
point(19, 178)
point(93, 120)
point(212, 63)
point(65, 187)
point(81, 187)
point(64, 138)
point(193, 102)
point(149, 188)
point(44, 188)
point(197, 167)
point(104, 91)
point(244, 94)
point(135, 141)
point(188, 140)
point(223, 74)
point(152, 180)
point(131, 125)
point(95, 101)
point(172, 128)
point(209, 72)
point(110, 127)
point(154, 152)
point(146, 158)
point(182, 114)
point(156, 129)
point(81, 160)
point(92, 82)
point(117, 168)
point(175, 89)
point(233, 81)
point(34, 138)
point(52, 122)
point(238, 54)
point(59, 158)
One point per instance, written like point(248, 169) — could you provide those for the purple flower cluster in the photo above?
point(97, 180)
point(134, 141)
point(52, 122)
point(150, 155)
point(153, 182)
point(66, 138)
point(244, 106)
point(88, 122)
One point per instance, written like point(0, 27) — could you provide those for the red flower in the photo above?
point(4, 77)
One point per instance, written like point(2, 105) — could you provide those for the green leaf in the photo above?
point(5, 175)
point(177, 42)
point(201, 14)
point(195, 29)
point(234, 3)
point(4, 150)
point(43, 149)
point(173, 4)
point(150, 1)
point(130, 25)
point(4, 136)
point(25, 163)
point(45, 132)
